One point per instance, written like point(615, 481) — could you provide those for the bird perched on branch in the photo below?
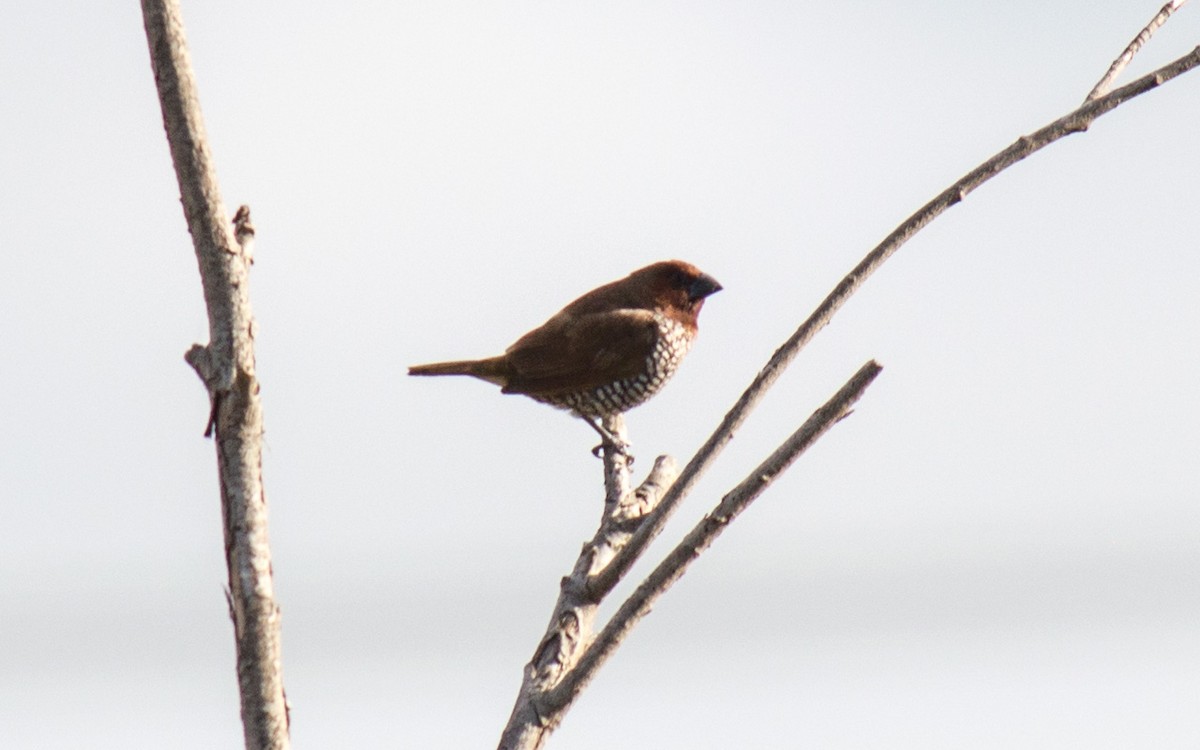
point(606, 352)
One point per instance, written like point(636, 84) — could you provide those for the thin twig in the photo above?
point(703, 535)
point(226, 365)
point(1074, 122)
point(1138, 42)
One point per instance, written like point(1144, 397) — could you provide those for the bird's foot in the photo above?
point(610, 442)
point(618, 448)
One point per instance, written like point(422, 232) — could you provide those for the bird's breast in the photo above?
point(671, 345)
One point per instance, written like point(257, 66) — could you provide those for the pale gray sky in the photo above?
point(1001, 548)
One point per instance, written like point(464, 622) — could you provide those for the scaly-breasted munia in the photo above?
point(606, 352)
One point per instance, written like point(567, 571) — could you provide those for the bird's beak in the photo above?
point(702, 286)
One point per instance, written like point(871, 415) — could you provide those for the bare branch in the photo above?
point(565, 661)
point(1074, 122)
point(226, 365)
point(616, 462)
point(1138, 42)
point(571, 623)
point(702, 536)
point(567, 658)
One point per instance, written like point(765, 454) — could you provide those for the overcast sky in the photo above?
point(999, 549)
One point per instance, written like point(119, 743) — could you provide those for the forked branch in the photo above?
point(571, 623)
point(540, 709)
point(567, 657)
point(1074, 122)
point(1126, 56)
point(705, 533)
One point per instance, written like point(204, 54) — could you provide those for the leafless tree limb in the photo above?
point(1138, 42)
point(539, 710)
point(704, 534)
point(571, 624)
point(567, 657)
point(1074, 122)
point(226, 365)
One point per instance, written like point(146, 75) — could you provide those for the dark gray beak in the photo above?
point(702, 286)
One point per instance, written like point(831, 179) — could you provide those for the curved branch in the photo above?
point(226, 365)
point(1074, 122)
point(565, 660)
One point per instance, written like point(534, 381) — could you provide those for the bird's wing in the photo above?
point(579, 352)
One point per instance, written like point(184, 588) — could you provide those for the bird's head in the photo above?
point(676, 287)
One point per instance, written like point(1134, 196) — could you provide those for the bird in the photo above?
point(608, 351)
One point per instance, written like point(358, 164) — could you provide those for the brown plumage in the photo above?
point(606, 352)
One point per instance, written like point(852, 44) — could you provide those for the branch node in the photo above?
point(1106, 81)
point(200, 358)
point(243, 231)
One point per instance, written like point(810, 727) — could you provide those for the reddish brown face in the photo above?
point(680, 289)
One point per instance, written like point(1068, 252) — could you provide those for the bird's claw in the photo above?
point(609, 441)
point(617, 447)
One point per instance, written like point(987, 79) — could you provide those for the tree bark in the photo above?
point(226, 365)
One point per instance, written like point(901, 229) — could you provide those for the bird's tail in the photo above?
point(491, 370)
